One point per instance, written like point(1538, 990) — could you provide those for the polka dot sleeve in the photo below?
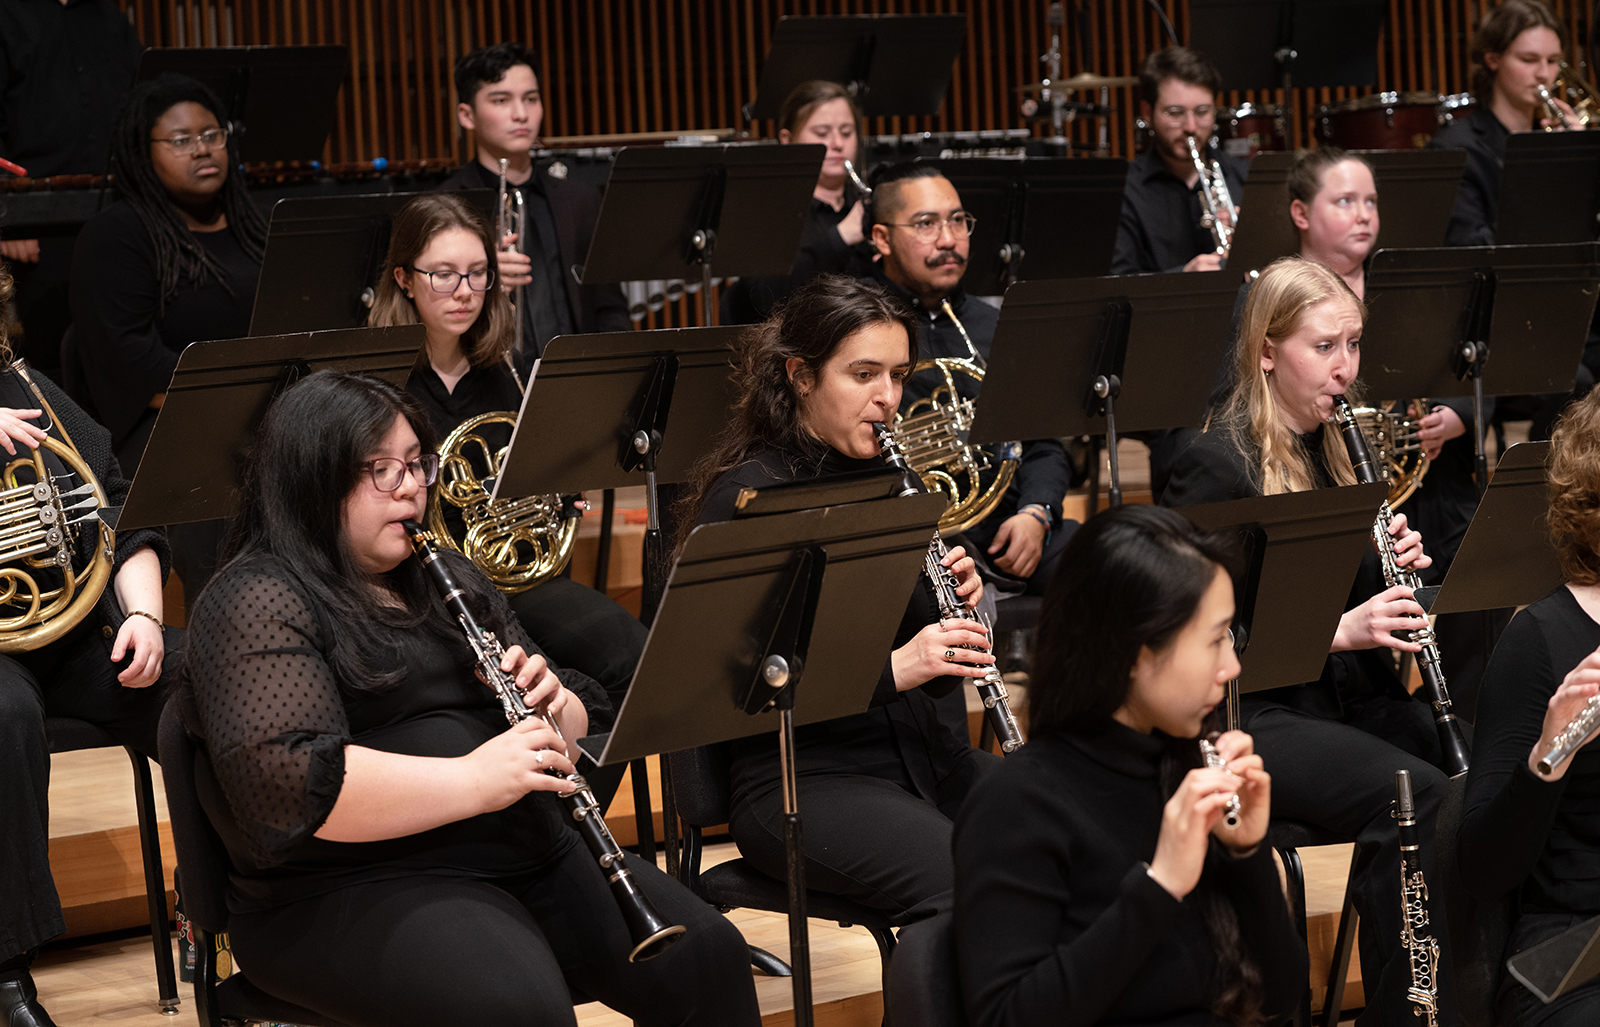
point(272, 719)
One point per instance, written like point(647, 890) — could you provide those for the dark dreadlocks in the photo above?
point(178, 253)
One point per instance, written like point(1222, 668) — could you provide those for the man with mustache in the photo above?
point(922, 235)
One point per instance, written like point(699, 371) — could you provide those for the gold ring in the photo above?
point(949, 655)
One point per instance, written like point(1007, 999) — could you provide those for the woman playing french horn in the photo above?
point(107, 669)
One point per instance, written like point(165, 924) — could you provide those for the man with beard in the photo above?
point(922, 235)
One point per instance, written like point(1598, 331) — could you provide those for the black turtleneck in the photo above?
point(1056, 919)
point(918, 733)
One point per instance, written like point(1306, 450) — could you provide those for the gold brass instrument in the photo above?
point(1579, 95)
point(1552, 112)
point(1396, 450)
point(40, 518)
point(517, 543)
point(932, 434)
point(1215, 199)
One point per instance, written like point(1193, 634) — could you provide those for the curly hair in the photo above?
point(1574, 517)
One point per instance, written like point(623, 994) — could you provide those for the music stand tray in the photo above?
point(1552, 968)
point(220, 391)
point(1550, 190)
point(893, 64)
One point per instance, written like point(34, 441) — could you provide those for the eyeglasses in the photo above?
point(928, 228)
point(449, 281)
point(389, 471)
point(1204, 112)
point(210, 139)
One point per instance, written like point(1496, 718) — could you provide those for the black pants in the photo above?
point(1518, 1007)
point(72, 677)
point(1340, 777)
point(869, 839)
point(436, 951)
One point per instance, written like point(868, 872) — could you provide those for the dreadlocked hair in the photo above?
point(178, 253)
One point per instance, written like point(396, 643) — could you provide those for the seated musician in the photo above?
point(500, 103)
point(1334, 744)
point(1161, 205)
point(1097, 880)
point(440, 271)
point(107, 670)
point(1524, 832)
point(398, 855)
point(922, 235)
point(813, 112)
point(879, 788)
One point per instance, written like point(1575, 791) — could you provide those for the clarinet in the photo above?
point(1422, 949)
point(652, 935)
point(991, 687)
point(1451, 738)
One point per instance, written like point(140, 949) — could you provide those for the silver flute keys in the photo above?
point(1571, 737)
point(1214, 760)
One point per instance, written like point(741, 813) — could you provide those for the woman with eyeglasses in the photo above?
point(397, 852)
point(440, 272)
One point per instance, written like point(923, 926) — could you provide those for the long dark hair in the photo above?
point(306, 461)
point(178, 253)
point(809, 325)
point(1130, 578)
point(1498, 30)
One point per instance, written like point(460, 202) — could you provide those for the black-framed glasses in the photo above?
point(388, 471)
point(928, 228)
point(449, 281)
point(210, 139)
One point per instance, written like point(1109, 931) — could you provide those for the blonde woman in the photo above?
point(1335, 743)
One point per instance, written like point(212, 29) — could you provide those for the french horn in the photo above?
point(1392, 432)
point(518, 543)
point(932, 433)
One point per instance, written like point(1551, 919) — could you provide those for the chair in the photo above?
point(1479, 931)
point(922, 986)
point(68, 734)
point(700, 787)
point(1288, 836)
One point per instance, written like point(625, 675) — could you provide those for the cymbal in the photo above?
point(1083, 81)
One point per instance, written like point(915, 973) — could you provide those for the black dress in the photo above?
point(1519, 833)
point(507, 907)
point(880, 789)
point(1057, 920)
point(71, 677)
point(1332, 746)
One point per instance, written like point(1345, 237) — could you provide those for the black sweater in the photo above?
point(1056, 919)
point(1519, 831)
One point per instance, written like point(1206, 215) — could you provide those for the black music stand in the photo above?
point(220, 391)
point(1435, 314)
point(281, 98)
point(746, 597)
point(1550, 191)
point(1416, 189)
point(1022, 207)
point(1267, 44)
point(1282, 628)
point(893, 64)
point(1092, 356)
point(1552, 968)
point(670, 210)
point(323, 258)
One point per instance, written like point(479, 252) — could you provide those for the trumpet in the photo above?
point(1571, 737)
point(510, 219)
point(991, 687)
point(861, 187)
point(1215, 199)
point(652, 935)
point(1554, 113)
point(1214, 760)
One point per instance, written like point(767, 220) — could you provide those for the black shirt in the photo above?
point(127, 344)
point(1477, 206)
point(822, 251)
point(1518, 831)
point(920, 734)
point(1160, 228)
point(65, 72)
point(1057, 920)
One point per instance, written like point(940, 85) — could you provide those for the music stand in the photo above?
point(1550, 191)
point(892, 64)
point(1022, 204)
point(220, 391)
point(1268, 44)
point(746, 597)
point(1091, 356)
point(1435, 314)
point(670, 210)
point(1416, 190)
point(323, 258)
point(1552, 968)
point(280, 98)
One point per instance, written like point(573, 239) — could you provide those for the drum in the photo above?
point(1456, 105)
point(1248, 129)
point(1382, 121)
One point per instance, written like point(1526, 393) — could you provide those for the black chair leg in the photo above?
point(1296, 873)
point(1339, 968)
point(644, 820)
point(155, 884)
point(884, 936)
point(768, 964)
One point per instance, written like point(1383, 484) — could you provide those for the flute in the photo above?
point(1571, 737)
point(1214, 760)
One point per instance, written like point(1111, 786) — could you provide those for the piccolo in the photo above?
point(1214, 760)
